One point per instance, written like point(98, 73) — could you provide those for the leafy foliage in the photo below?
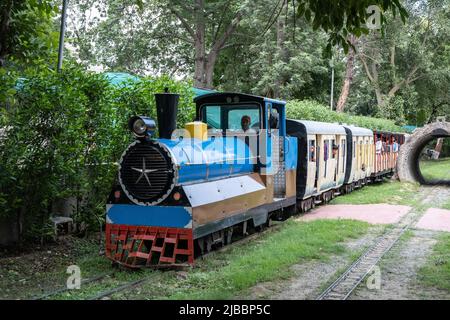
point(64, 132)
point(311, 110)
point(29, 35)
point(340, 18)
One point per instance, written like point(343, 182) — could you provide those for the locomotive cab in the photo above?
point(266, 137)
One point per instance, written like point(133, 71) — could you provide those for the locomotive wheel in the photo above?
point(304, 205)
point(310, 204)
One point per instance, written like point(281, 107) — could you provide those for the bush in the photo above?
point(312, 110)
point(64, 134)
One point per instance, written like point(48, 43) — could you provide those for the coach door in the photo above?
point(277, 146)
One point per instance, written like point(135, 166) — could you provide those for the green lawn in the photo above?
point(221, 275)
point(436, 272)
point(435, 169)
point(392, 192)
point(446, 205)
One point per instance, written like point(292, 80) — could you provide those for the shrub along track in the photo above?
point(348, 281)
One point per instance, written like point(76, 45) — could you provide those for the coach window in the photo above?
point(335, 149)
point(312, 150)
point(354, 149)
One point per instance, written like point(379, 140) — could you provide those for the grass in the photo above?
point(45, 269)
point(446, 205)
point(435, 169)
point(228, 275)
point(436, 272)
point(391, 192)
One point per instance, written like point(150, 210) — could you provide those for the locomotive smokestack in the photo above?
point(166, 111)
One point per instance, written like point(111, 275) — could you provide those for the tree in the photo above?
point(27, 33)
point(190, 36)
point(345, 90)
point(157, 35)
point(275, 59)
point(405, 54)
point(194, 19)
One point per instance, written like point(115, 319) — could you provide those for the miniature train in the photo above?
point(240, 164)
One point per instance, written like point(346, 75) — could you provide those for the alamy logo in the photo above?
point(373, 22)
point(74, 280)
point(374, 278)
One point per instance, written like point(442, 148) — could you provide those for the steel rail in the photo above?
point(64, 289)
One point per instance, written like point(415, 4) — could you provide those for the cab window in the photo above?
point(235, 116)
point(232, 117)
point(213, 120)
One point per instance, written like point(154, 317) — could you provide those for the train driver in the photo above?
point(245, 124)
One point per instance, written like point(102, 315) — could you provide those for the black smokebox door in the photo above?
point(166, 111)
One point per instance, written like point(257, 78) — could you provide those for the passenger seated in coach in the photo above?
point(395, 145)
point(378, 145)
point(335, 150)
point(312, 154)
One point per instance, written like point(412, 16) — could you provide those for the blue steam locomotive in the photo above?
point(240, 164)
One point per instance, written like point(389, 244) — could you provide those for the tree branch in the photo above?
point(366, 67)
point(228, 32)
point(225, 8)
point(183, 22)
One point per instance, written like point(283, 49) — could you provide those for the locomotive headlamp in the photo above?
point(141, 126)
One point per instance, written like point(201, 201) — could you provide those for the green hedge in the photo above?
point(64, 134)
point(312, 110)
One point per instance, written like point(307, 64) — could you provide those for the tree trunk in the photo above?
point(438, 147)
point(282, 51)
point(209, 69)
point(379, 96)
point(5, 19)
point(348, 78)
point(205, 63)
point(199, 44)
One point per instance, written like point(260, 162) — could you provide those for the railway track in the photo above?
point(65, 289)
point(344, 286)
point(348, 281)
